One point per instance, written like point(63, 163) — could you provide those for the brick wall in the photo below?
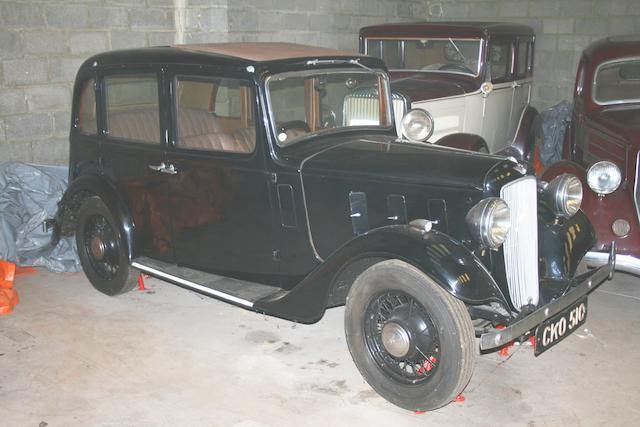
point(42, 43)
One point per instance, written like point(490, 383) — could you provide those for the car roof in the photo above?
point(611, 48)
point(240, 54)
point(260, 52)
point(446, 29)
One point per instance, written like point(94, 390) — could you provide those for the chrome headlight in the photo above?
point(564, 195)
point(604, 177)
point(417, 125)
point(489, 222)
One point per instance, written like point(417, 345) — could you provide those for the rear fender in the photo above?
point(443, 259)
point(88, 186)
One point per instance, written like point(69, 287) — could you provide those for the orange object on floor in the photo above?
point(23, 271)
point(8, 296)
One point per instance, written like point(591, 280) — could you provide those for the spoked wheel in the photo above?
point(401, 337)
point(101, 249)
point(412, 341)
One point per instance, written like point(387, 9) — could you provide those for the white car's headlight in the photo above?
point(564, 195)
point(417, 125)
point(604, 177)
point(489, 222)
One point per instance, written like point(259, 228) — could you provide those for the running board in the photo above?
point(225, 288)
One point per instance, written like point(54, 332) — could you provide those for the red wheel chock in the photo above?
point(8, 296)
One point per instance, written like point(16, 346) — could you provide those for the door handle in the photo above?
point(164, 168)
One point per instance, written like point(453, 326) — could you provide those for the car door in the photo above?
point(497, 103)
point(521, 83)
point(220, 195)
point(132, 153)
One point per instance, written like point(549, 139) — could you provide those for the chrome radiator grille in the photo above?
point(521, 246)
point(361, 108)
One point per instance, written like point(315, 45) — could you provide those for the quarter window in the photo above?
point(501, 58)
point(132, 108)
point(87, 109)
point(214, 115)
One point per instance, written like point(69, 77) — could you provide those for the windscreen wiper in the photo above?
point(338, 61)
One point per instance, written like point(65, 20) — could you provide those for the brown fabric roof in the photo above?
point(265, 51)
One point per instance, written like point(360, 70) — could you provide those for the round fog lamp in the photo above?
point(417, 125)
point(621, 227)
point(604, 177)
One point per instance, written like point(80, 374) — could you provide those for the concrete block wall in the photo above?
point(329, 23)
point(563, 28)
point(42, 43)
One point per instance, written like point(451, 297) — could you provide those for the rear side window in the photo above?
point(87, 109)
point(500, 55)
point(132, 107)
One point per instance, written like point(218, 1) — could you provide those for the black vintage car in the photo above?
point(253, 173)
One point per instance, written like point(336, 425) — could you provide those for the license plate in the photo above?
point(554, 330)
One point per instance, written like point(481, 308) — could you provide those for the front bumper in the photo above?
point(586, 284)
point(626, 263)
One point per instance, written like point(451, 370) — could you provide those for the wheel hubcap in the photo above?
point(101, 247)
point(396, 339)
point(98, 248)
point(402, 337)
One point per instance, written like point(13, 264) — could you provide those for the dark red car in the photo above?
point(603, 147)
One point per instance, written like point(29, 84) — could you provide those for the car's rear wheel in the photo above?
point(101, 249)
point(412, 341)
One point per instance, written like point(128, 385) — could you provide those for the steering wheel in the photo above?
point(455, 67)
point(284, 128)
point(293, 124)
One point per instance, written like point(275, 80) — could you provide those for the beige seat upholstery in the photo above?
point(197, 129)
point(137, 125)
point(194, 122)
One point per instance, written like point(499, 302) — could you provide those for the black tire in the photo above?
point(448, 332)
point(101, 248)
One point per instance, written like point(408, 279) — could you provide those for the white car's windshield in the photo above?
point(326, 101)
point(446, 54)
point(617, 82)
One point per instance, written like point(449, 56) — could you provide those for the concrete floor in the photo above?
point(70, 356)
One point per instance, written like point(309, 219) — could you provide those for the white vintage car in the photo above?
point(471, 78)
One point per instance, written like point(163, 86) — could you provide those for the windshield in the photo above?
point(317, 102)
point(448, 55)
point(617, 82)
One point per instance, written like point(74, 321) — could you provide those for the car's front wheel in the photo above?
point(412, 341)
point(101, 249)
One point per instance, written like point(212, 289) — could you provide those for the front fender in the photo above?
point(464, 141)
point(528, 130)
point(446, 261)
point(87, 186)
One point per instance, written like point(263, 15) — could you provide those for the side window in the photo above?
point(87, 109)
point(132, 107)
point(214, 115)
point(501, 57)
point(525, 58)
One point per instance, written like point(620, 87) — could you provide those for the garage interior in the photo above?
point(163, 355)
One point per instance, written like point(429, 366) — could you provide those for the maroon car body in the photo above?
point(606, 127)
point(473, 78)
